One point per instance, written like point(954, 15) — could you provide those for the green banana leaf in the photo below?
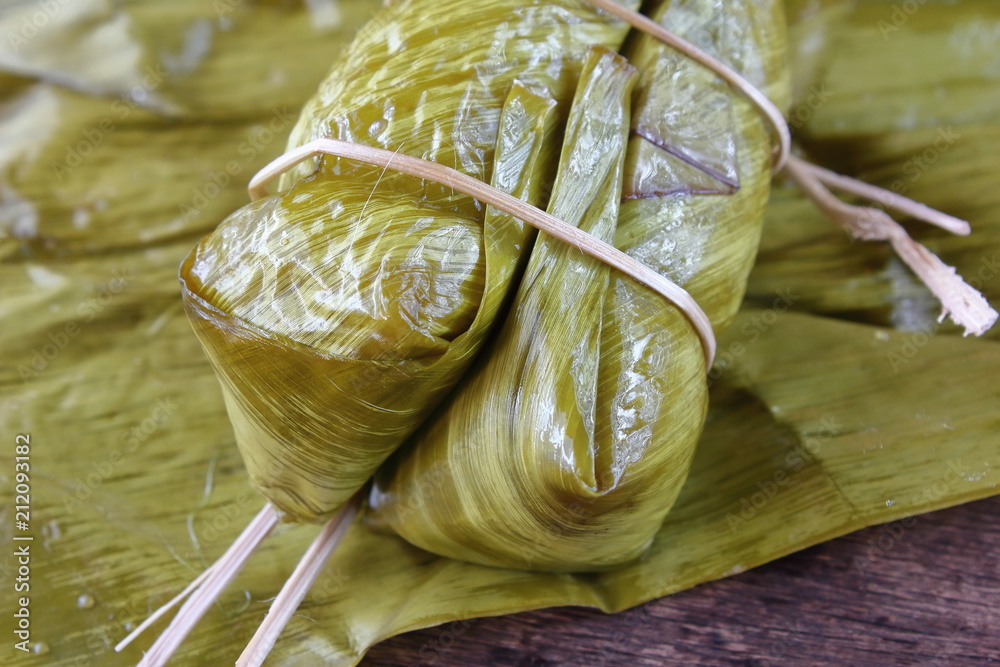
point(223, 59)
point(592, 398)
point(338, 313)
point(137, 484)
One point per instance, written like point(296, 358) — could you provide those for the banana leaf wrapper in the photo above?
point(339, 313)
point(129, 504)
point(581, 422)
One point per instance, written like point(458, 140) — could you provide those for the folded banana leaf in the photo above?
point(137, 484)
point(338, 313)
point(581, 421)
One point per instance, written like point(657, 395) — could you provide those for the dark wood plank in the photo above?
point(925, 591)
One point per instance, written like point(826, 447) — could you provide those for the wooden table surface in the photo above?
point(925, 591)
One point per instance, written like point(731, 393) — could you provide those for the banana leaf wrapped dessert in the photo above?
point(567, 445)
point(338, 313)
point(137, 539)
point(338, 317)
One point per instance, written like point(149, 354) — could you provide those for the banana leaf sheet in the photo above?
point(832, 407)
